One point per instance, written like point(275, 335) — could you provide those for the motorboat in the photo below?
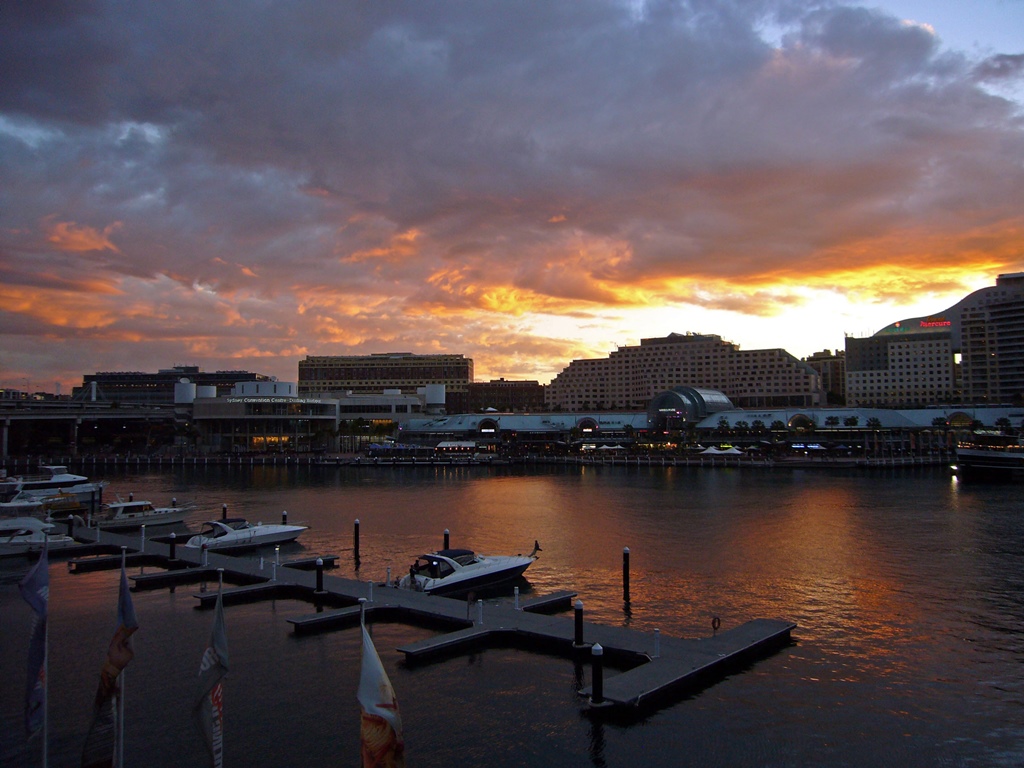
point(24, 504)
point(125, 515)
point(21, 535)
point(457, 571)
point(52, 480)
point(238, 533)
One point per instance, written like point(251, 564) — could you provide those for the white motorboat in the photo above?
point(21, 535)
point(457, 571)
point(238, 533)
point(24, 504)
point(125, 515)
point(53, 480)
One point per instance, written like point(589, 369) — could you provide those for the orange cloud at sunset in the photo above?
point(68, 236)
point(779, 174)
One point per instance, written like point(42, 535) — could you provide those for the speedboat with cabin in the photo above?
point(24, 504)
point(21, 535)
point(125, 515)
point(238, 533)
point(457, 571)
point(53, 480)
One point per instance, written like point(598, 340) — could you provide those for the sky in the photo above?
point(237, 185)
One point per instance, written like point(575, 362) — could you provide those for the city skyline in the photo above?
point(522, 184)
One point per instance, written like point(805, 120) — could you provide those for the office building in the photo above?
point(157, 388)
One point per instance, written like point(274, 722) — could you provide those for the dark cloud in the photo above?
point(283, 178)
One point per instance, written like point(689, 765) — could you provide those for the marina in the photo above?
point(901, 584)
point(668, 664)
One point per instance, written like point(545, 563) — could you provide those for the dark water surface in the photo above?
point(907, 588)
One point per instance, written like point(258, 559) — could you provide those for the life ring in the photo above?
point(716, 623)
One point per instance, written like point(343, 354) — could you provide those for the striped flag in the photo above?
point(380, 728)
point(208, 709)
point(35, 588)
point(106, 732)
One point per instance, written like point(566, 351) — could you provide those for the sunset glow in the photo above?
point(523, 184)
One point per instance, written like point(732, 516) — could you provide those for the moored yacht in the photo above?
point(21, 535)
point(234, 533)
point(124, 515)
point(457, 571)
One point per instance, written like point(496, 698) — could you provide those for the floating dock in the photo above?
point(657, 668)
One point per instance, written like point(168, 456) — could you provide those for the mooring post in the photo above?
point(173, 555)
point(277, 554)
point(625, 574)
point(369, 591)
point(206, 555)
point(480, 612)
point(131, 497)
point(142, 538)
point(223, 511)
point(446, 537)
point(516, 591)
point(355, 539)
point(284, 517)
point(597, 673)
point(388, 582)
point(71, 525)
point(578, 642)
point(319, 576)
point(174, 502)
point(657, 643)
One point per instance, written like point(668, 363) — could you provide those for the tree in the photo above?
point(778, 426)
point(940, 421)
point(758, 425)
point(831, 421)
point(874, 422)
point(851, 421)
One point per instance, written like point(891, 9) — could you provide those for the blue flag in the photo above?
point(35, 588)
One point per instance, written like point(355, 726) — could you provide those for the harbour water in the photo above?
point(907, 588)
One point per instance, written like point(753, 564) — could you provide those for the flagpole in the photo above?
point(120, 694)
point(46, 670)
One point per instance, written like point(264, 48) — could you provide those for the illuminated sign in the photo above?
point(936, 322)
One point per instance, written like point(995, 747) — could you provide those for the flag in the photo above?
point(208, 708)
point(101, 744)
point(35, 588)
point(380, 728)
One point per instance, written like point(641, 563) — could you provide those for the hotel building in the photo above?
point(914, 361)
point(631, 376)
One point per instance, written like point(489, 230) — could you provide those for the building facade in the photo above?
point(402, 371)
point(631, 376)
point(909, 370)
point(831, 367)
point(506, 396)
point(985, 330)
point(156, 388)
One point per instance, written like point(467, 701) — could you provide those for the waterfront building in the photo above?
point(156, 388)
point(831, 367)
point(403, 371)
point(908, 370)
point(506, 396)
point(913, 361)
point(264, 417)
point(631, 375)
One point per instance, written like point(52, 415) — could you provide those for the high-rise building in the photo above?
point(985, 329)
point(375, 373)
point(630, 376)
point(831, 367)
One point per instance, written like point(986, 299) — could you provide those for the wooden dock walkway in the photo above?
point(658, 668)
